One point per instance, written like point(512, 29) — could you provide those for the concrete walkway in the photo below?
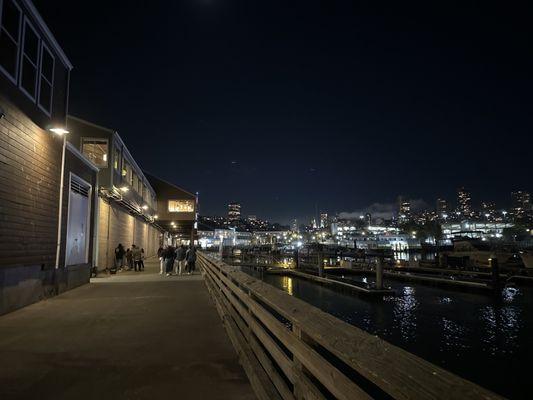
point(134, 335)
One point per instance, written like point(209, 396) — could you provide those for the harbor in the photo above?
point(458, 319)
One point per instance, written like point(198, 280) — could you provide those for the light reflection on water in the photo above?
point(478, 337)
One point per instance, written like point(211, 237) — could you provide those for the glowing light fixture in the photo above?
point(156, 216)
point(145, 207)
point(124, 189)
point(59, 130)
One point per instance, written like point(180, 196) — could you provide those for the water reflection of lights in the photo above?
point(405, 313)
point(286, 283)
point(445, 300)
point(509, 293)
point(502, 325)
point(454, 335)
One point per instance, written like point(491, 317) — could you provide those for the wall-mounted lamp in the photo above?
point(145, 207)
point(124, 189)
point(58, 130)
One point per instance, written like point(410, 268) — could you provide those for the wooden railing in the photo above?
point(292, 350)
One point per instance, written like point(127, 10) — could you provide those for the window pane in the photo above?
point(180, 205)
point(47, 66)
point(29, 76)
point(11, 19)
point(31, 44)
point(96, 151)
point(45, 95)
point(116, 160)
point(8, 54)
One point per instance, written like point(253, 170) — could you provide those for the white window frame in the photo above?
point(21, 27)
point(83, 138)
point(87, 225)
point(44, 46)
point(27, 23)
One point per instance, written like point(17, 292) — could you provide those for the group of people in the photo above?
point(181, 258)
point(133, 257)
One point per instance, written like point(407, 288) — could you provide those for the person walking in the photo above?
point(129, 259)
point(141, 265)
point(119, 256)
point(161, 259)
point(169, 255)
point(136, 254)
point(190, 257)
point(180, 257)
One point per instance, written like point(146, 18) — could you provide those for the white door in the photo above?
point(78, 220)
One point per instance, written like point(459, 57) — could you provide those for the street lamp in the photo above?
point(60, 131)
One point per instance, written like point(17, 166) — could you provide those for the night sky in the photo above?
point(286, 105)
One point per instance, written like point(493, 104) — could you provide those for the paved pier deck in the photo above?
point(129, 336)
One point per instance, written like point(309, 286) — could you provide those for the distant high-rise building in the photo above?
point(520, 204)
point(488, 210)
point(464, 200)
point(314, 225)
point(404, 209)
point(442, 208)
point(234, 211)
point(323, 220)
point(294, 225)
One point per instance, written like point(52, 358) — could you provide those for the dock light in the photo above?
point(124, 189)
point(145, 207)
point(58, 130)
point(156, 216)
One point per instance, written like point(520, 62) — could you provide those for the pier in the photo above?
point(146, 335)
point(126, 336)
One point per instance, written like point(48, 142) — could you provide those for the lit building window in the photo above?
point(116, 160)
point(95, 150)
point(180, 206)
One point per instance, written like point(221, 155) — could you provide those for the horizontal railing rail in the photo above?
point(292, 350)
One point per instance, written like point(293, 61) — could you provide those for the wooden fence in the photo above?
point(292, 350)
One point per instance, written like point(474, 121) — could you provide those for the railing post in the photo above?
point(298, 368)
point(495, 270)
point(379, 273)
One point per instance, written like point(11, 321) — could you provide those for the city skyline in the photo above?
point(393, 210)
point(341, 106)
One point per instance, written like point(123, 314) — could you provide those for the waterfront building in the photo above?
point(176, 211)
point(46, 212)
point(474, 229)
point(212, 238)
point(126, 207)
point(234, 212)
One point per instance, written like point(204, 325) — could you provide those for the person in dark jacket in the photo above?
point(129, 258)
point(169, 255)
point(180, 258)
point(119, 256)
point(190, 257)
